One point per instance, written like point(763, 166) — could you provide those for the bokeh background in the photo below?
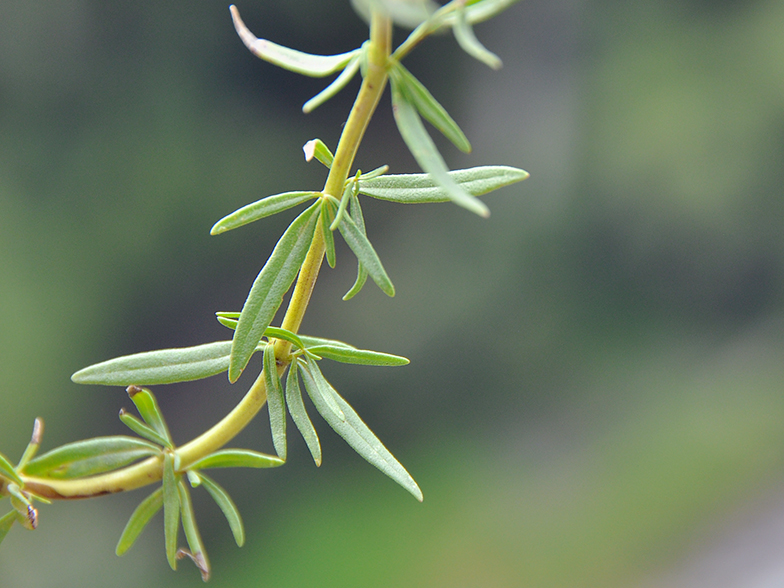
point(595, 397)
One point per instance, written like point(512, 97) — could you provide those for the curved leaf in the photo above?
point(226, 504)
point(300, 415)
point(139, 519)
point(89, 457)
point(35, 443)
point(302, 63)
point(427, 156)
point(366, 255)
point(356, 433)
point(266, 294)
point(165, 366)
point(142, 429)
point(149, 410)
point(329, 239)
point(261, 209)
point(420, 188)
point(237, 458)
point(171, 509)
point(428, 107)
point(467, 40)
point(336, 86)
point(359, 220)
point(192, 536)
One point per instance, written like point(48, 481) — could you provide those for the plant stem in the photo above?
point(150, 470)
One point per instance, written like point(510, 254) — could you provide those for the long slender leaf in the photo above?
point(8, 472)
point(149, 410)
point(226, 504)
point(261, 209)
point(142, 429)
point(275, 402)
point(329, 239)
point(302, 63)
point(336, 86)
point(316, 385)
point(427, 156)
point(32, 447)
point(171, 509)
point(266, 294)
point(90, 457)
point(139, 519)
point(358, 356)
point(165, 366)
point(237, 458)
point(357, 434)
point(300, 415)
point(428, 107)
point(467, 40)
point(420, 188)
point(197, 554)
point(356, 214)
point(366, 255)
point(6, 522)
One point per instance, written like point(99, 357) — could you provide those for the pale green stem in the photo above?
point(150, 470)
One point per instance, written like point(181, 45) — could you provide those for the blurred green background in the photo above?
point(596, 376)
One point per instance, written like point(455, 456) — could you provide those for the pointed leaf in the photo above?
point(142, 429)
point(32, 447)
point(8, 472)
point(165, 366)
point(171, 509)
point(139, 519)
point(420, 188)
point(366, 255)
point(226, 504)
point(266, 294)
point(6, 522)
point(428, 107)
point(300, 415)
point(197, 554)
point(358, 356)
point(275, 402)
point(467, 40)
point(357, 434)
point(303, 63)
point(427, 156)
point(90, 457)
point(149, 410)
point(356, 215)
point(261, 209)
point(237, 458)
point(329, 239)
point(316, 148)
point(336, 86)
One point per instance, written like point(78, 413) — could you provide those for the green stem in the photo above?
point(150, 470)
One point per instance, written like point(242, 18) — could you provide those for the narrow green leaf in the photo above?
point(374, 173)
point(149, 410)
point(261, 209)
point(329, 239)
point(6, 522)
point(344, 199)
point(317, 386)
point(142, 429)
point(171, 509)
point(226, 504)
point(229, 319)
point(336, 86)
point(302, 63)
point(197, 554)
point(427, 156)
point(467, 40)
point(357, 434)
point(356, 214)
point(316, 148)
point(366, 255)
point(90, 457)
point(428, 107)
point(300, 415)
point(139, 519)
point(266, 294)
point(165, 366)
point(32, 447)
point(275, 402)
point(358, 356)
point(237, 458)
point(8, 472)
point(420, 188)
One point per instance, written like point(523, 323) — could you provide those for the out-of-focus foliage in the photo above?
point(630, 393)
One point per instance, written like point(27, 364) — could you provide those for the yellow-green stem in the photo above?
point(150, 470)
